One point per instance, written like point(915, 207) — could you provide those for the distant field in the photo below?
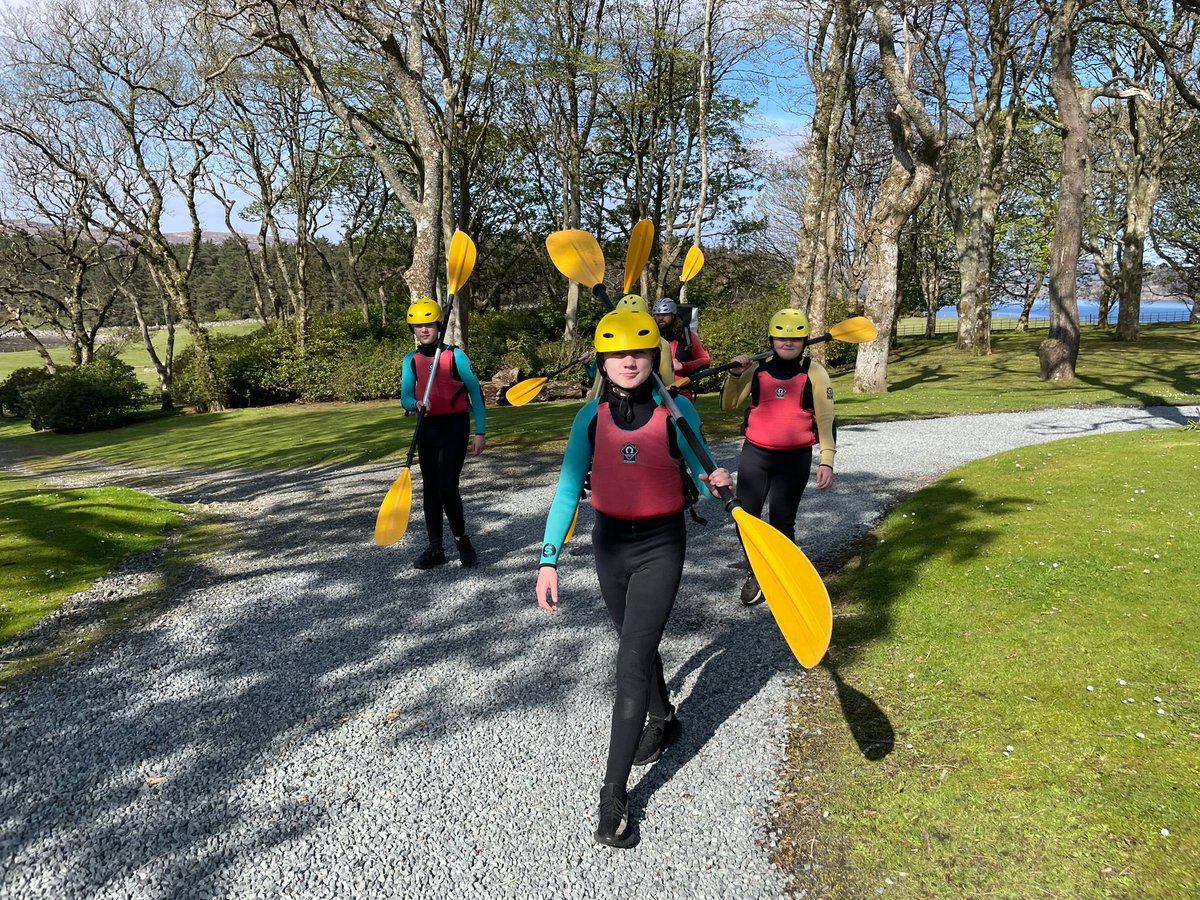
point(135, 354)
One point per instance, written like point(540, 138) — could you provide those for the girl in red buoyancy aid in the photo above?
point(637, 459)
point(442, 442)
point(791, 410)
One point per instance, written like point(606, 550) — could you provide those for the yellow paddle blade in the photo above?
point(577, 255)
point(522, 392)
point(640, 243)
point(392, 520)
point(856, 330)
point(692, 264)
point(793, 589)
point(571, 530)
point(460, 261)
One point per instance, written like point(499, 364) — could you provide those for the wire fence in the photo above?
point(915, 326)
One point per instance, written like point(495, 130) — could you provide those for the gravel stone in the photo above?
point(314, 718)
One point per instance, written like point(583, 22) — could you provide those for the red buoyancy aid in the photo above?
point(634, 475)
point(779, 420)
point(449, 395)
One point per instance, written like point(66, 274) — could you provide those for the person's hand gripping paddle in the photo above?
point(793, 588)
point(392, 520)
point(855, 330)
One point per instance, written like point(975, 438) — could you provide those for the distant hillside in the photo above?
point(175, 237)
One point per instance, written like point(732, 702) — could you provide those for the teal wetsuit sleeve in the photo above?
point(408, 383)
point(471, 383)
point(695, 469)
point(576, 462)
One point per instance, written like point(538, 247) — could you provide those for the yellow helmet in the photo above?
point(633, 302)
point(788, 323)
point(623, 330)
point(424, 312)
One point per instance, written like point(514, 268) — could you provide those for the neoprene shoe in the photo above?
point(614, 828)
point(751, 592)
point(466, 553)
point(657, 736)
point(433, 556)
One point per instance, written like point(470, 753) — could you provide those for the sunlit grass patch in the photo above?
point(57, 541)
point(1017, 654)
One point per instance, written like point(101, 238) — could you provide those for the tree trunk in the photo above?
point(1139, 206)
point(808, 288)
point(883, 267)
point(908, 180)
point(1059, 353)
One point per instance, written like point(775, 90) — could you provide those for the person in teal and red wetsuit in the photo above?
point(791, 410)
point(445, 431)
point(638, 461)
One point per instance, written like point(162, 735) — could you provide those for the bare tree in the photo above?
point(1149, 121)
point(1000, 43)
point(105, 93)
point(917, 144)
point(833, 35)
point(1059, 353)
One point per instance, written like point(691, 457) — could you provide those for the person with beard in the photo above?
point(638, 460)
point(687, 352)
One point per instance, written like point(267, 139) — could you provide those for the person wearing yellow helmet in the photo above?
point(631, 303)
point(445, 429)
point(791, 411)
point(638, 462)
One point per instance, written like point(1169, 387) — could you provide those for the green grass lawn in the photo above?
point(928, 378)
point(57, 541)
point(135, 354)
point(1026, 628)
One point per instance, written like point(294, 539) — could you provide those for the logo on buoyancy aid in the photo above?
point(548, 550)
point(629, 452)
point(780, 393)
point(829, 392)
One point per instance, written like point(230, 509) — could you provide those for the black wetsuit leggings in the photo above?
point(441, 449)
point(639, 564)
point(778, 474)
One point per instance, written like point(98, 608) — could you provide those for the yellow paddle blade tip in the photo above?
point(792, 587)
point(391, 522)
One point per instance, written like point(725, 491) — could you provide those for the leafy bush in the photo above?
point(98, 395)
point(250, 370)
point(529, 338)
point(14, 388)
point(743, 328)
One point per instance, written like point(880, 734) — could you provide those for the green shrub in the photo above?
point(529, 338)
point(16, 386)
point(98, 395)
point(743, 328)
point(250, 370)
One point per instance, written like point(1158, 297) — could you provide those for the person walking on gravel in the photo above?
point(442, 441)
point(791, 410)
point(637, 460)
point(687, 352)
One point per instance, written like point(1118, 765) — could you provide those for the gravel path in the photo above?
point(314, 718)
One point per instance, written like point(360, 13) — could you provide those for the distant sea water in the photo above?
point(1152, 310)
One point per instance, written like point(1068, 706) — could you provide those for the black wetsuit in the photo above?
point(639, 559)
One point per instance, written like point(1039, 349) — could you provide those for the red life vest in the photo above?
point(634, 475)
point(779, 420)
point(449, 395)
